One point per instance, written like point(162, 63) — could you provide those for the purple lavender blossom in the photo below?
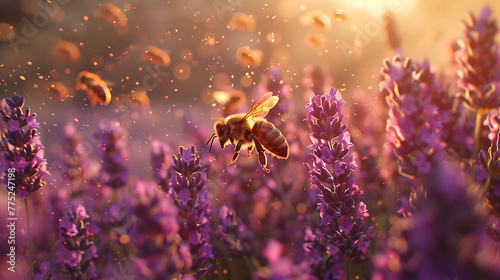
point(42, 271)
point(279, 266)
point(445, 239)
point(320, 260)
point(76, 167)
point(114, 172)
point(234, 233)
point(77, 253)
point(190, 194)
point(160, 163)
point(343, 214)
point(22, 149)
point(488, 175)
point(414, 127)
point(478, 60)
point(161, 253)
point(488, 167)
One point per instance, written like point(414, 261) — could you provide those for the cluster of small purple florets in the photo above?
point(77, 252)
point(21, 148)
point(343, 214)
point(114, 172)
point(190, 194)
point(161, 253)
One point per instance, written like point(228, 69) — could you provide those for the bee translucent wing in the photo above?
point(262, 106)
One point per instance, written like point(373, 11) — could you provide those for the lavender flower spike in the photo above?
point(234, 233)
point(478, 59)
point(160, 253)
point(160, 163)
point(191, 196)
point(488, 169)
point(77, 252)
point(114, 172)
point(343, 214)
point(414, 128)
point(21, 148)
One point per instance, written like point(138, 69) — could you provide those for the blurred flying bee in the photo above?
point(58, 90)
point(114, 15)
point(66, 50)
point(317, 19)
point(138, 99)
point(244, 131)
point(249, 57)
point(232, 101)
point(96, 89)
point(156, 56)
point(242, 21)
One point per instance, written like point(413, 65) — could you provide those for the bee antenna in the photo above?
point(212, 138)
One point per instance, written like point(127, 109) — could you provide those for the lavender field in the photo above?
point(234, 139)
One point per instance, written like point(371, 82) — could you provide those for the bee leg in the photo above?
point(236, 152)
point(262, 155)
point(250, 151)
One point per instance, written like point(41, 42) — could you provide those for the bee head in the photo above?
point(222, 132)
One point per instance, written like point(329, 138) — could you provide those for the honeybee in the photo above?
point(156, 56)
point(244, 131)
point(114, 15)
point(96, 89)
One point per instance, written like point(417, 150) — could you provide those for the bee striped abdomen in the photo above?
point(271, 138)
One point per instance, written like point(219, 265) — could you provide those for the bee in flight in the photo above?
point(96, 89)
point(244, 131)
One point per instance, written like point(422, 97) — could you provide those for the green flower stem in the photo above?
point(30, 241)
point(475, 150)
point(347, 268)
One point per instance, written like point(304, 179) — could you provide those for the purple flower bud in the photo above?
point(161, 158)
point(479, 74)
point(76, 251)
point(237, 237)
point(114, 170)
point(161, 252)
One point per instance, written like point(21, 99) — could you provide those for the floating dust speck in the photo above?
point(182, 71)
point(317, 19)
point(97, 61)
point(66, 50)
point(273, 37)
point(249, 57)
point(242, 21)
point(156, 55)
point(339, 15)
point(186, 55)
